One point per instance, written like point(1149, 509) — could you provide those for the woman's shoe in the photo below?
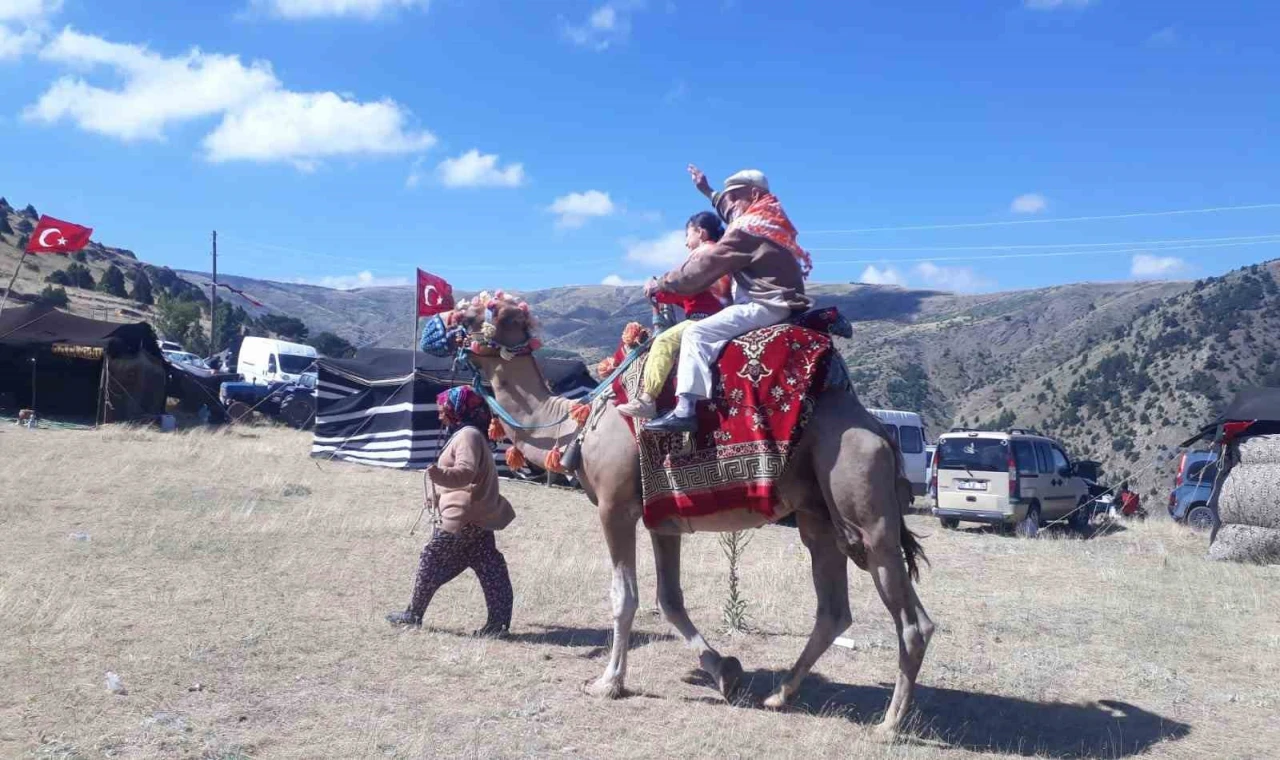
point(641, 406)
point(404, 618)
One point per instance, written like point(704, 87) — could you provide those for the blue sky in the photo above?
point(526, 145)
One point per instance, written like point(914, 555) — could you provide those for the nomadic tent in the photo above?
point(1246, 496)
point(61, 364)
point(372, 410)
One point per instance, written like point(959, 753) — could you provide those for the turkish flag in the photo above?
point(434, 294)
point(56, 236)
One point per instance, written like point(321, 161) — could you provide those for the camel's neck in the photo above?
point(519, 387)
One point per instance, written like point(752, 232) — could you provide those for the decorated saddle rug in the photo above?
point(765, 388)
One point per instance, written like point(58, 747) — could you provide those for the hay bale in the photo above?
point(1251, 496)
point(1260, 449)
point(1245, 543)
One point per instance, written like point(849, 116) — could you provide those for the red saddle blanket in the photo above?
point(766, 383)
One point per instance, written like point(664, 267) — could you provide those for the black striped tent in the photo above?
point(373, 410)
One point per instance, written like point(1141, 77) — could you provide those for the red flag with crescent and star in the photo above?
point(435, 296)
point(56, 236)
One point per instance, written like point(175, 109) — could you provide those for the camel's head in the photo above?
point(498, 324)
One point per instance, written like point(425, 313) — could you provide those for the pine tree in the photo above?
point(112, 282)
point(142, 290)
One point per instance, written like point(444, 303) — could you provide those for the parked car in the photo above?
point(907, 430)
point(1192, 487)
point(1016, 479)
point(168, 345)
point(187, 358)
point(267, 361)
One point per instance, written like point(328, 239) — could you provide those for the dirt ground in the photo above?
point(238, 590)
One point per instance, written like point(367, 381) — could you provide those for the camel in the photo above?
point(844, 484)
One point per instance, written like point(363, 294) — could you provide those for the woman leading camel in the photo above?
point(471, 509)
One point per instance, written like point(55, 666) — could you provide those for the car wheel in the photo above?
point(950, 523)
point(1029, 527)
point(298, 411)
point(1201, 518)
point(1079, 519)
point(239, 411)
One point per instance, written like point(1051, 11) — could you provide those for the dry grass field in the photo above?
point(238, 590)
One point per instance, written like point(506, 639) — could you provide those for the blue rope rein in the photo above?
point(590, 398)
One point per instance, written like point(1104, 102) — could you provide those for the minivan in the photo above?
point(907, 430)
point(263, 361)
point(1016, 479)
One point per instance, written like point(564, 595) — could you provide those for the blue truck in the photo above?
point(1192, 487)
point(293, 403)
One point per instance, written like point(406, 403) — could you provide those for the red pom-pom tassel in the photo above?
point(552, 464)
point(634, 334)
point(515, 459)
point(496, 431)
point(606, 366)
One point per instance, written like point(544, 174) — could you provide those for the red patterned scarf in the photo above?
point(766, 219)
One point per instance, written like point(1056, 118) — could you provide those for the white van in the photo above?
point(907, 430)
point(263, 361)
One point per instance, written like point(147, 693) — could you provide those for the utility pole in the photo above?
point(213, 293)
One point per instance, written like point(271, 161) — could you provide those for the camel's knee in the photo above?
point(625, 598)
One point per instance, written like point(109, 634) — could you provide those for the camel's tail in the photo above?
point(911, 548)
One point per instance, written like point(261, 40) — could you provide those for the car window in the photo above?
point(975, 454)
point(271, 363)
point(1025, 454)
point(911, 439)
point(294, 364)
point(1044, 459)
point(893, 432)
point(1059, 460)
point(1202, 472)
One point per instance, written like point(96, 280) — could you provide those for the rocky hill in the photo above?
point(1119, 371)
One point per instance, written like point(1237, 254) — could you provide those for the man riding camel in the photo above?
point(768, 267)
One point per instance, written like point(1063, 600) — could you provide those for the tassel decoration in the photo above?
point(553, 461)
point(634, 334)
point(496, 431)
point(579, 413)
point(515, 459)
point(605, 367)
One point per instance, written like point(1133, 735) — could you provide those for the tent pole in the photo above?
point(33, 383)
point(5, 299)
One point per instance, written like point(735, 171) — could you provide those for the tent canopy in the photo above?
point(388, 364)
point(1260, 406)
point(42, 325)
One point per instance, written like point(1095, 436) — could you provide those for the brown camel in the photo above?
point(844, 484)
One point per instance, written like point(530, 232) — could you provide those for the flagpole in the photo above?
point(5, 300)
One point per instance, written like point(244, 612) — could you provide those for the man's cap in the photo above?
point(747, 178)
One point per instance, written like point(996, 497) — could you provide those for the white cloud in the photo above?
point(1166, 37)
point(575, 209)
point(873, 275)
point(302, 128)
point(666, 251)
point(619, 281)
point(1053, 5)
point(28, 11)
point(607, 25)
point(312, 9)
point(1148, 266)
point(15, 44)
point(364, 279)
point(156, 91)
point(261, 120)
point(953, 279)
point(1030, 203)
point(476, 169)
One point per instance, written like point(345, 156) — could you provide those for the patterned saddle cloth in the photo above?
point(765, 388)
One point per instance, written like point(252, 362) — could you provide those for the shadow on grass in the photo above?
point(596, 639)
point(1052, 531)
point(980, 722)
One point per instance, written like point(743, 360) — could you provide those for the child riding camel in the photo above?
point(702, 229)
point(471, 509)
point(768, 267)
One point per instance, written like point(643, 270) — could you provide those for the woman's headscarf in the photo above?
point(461, 405)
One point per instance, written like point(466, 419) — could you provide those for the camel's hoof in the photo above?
point(730, 679)
point(604, 689)
point(776, 700)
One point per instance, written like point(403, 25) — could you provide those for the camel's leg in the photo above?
point(726, 671)
point(831, 583)
point(889, 571)
point(620, 534)
point(859, 480)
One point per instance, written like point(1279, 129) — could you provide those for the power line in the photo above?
point(1054, 220)
point(1045, 254)
point(1270, 237)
